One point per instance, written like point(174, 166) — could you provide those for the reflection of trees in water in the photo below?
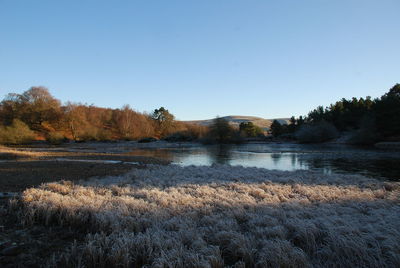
point(389, 168)
point(220, 154)
point(276, 157)
point(293, 159)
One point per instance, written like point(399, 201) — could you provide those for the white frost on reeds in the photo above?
point(171, 216)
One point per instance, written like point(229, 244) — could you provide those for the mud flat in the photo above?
point(24, 167)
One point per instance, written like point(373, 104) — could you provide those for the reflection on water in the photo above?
point(325, 158)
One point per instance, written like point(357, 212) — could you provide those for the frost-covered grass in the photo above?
point(171, 216)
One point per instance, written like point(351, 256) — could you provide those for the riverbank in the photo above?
point(23, 167)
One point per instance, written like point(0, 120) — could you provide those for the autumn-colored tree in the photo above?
point(38, 106)
point(124, 119)
point(131, 124)
point(74, 119)
point(10, 108)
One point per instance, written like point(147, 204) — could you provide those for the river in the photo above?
point(327, 158)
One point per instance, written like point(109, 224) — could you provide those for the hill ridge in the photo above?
point(235, 120)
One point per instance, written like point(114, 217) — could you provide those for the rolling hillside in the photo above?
point(235, 120)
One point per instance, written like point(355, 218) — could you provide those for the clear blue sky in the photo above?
point(202, 58)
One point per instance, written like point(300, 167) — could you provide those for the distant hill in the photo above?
point(235, 120)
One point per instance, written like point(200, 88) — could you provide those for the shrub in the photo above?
point(103, 135)
point(92, 133)
point(18, 132)
point(222, 132)
point(179, 137)
point(315, 133)
point(55, 138)
point(250, 130)
point(367, 133)
point(197, 131)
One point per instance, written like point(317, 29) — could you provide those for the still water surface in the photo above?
point(325, 158)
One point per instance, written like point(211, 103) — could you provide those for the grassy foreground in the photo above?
point(218, 216)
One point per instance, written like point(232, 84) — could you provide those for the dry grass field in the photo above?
point(222, 216)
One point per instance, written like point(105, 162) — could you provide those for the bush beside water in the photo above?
point(316, 133)
point(17, 133)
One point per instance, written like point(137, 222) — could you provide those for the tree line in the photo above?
point(366, 120)
point(37, 115)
